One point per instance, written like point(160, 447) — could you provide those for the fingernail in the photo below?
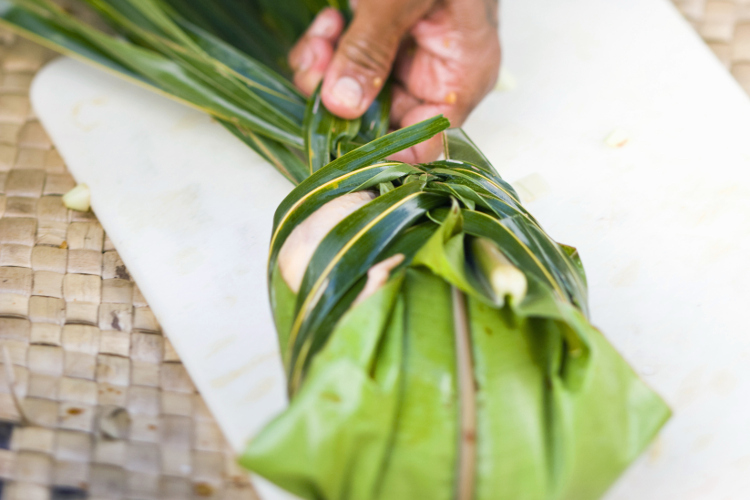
point(347, 92)
point(304, 61)
point(323, 26)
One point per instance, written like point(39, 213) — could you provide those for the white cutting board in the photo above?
point(663, 224)
point(189, 208)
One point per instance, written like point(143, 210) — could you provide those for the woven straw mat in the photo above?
point(107, 409)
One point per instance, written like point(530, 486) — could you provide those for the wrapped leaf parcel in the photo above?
point(385, 403)
point(435, 338)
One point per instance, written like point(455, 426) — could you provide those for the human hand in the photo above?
point(445, 57)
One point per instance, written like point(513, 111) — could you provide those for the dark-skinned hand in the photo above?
point(444, 55)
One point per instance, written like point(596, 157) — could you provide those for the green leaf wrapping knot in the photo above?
point(385, 401)
point(375, 409)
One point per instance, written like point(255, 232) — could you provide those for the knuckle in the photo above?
point(368, 54)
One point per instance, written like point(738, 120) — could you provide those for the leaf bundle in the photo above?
point(473, 372)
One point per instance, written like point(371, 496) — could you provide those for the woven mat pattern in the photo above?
point(725, 27)
point(107, 409)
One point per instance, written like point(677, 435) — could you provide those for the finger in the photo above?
point(428, 150)
point(312, 64)
point(311, 55)
point(401, 103)
point(366, 52)
point(327, 26)
point(460, 83)
point(457, 58)
point(404, 60)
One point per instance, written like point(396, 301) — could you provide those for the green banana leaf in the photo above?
point(473, 373)
point(559, 413)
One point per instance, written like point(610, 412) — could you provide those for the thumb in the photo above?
point(364, 57)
